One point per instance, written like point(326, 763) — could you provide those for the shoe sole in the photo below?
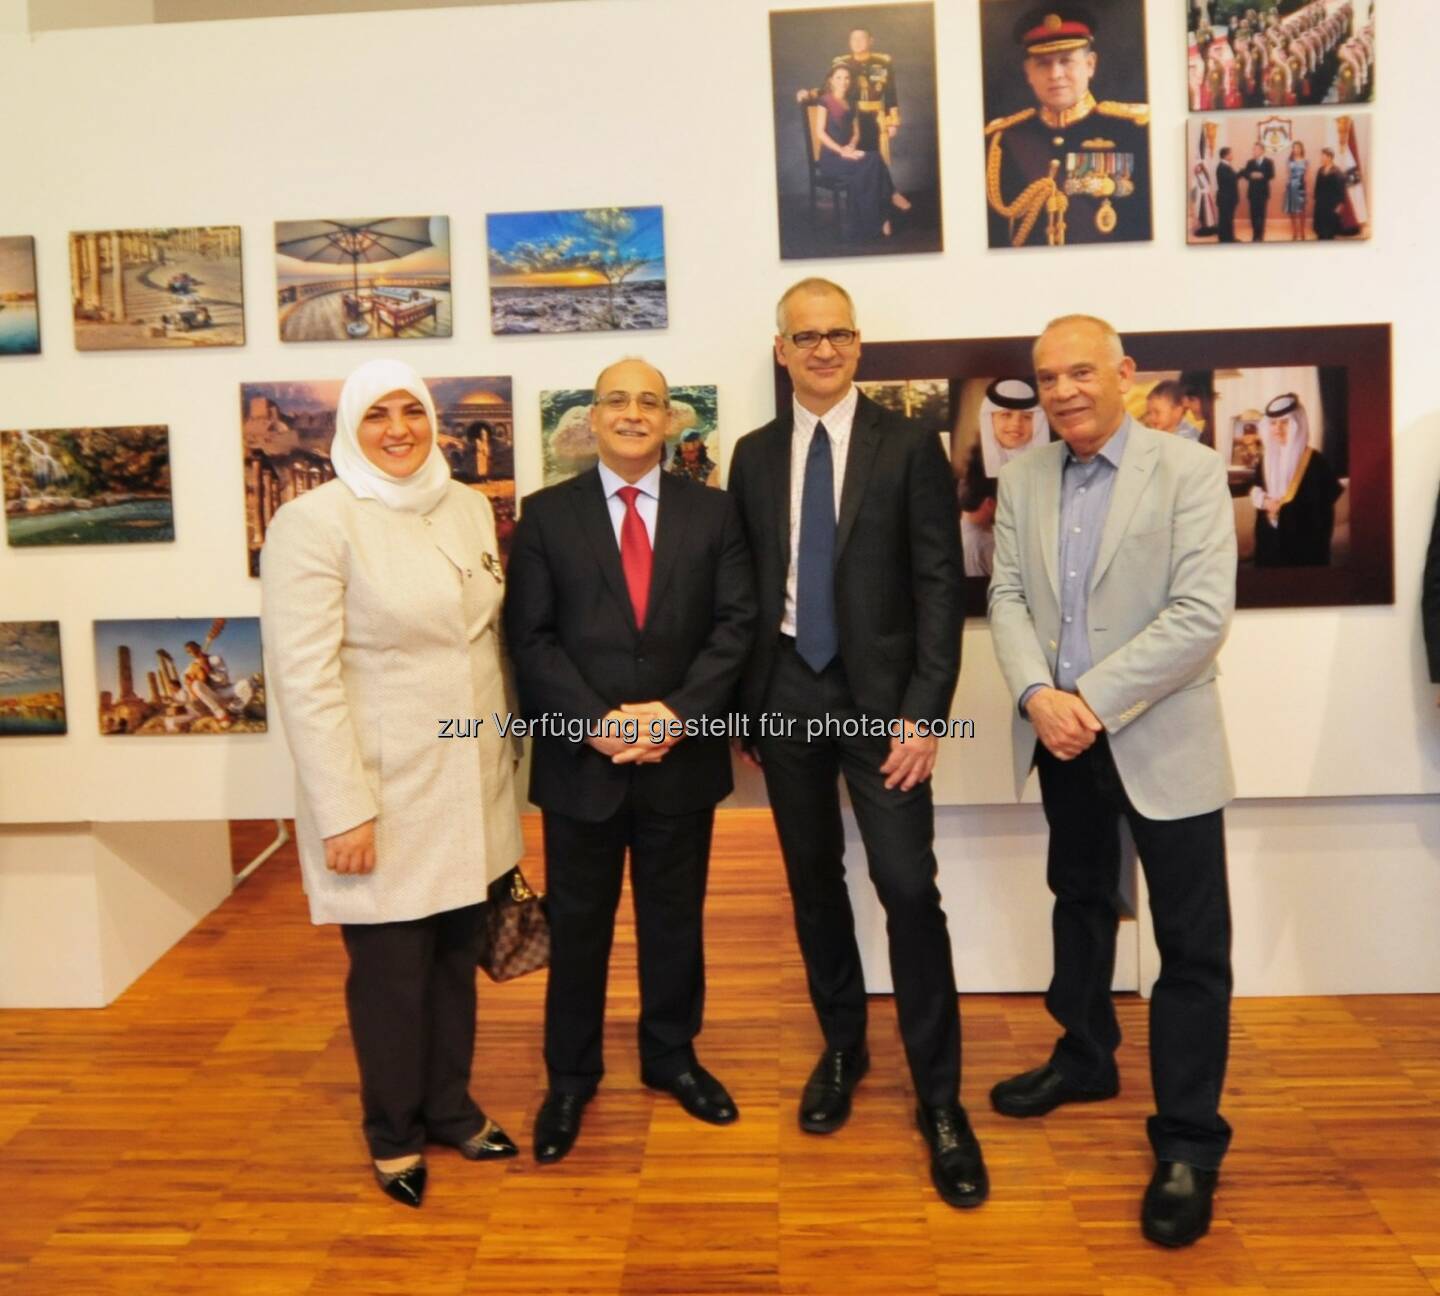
point(830, 1126)
point(1024, 1113)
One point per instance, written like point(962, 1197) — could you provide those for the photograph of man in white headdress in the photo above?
point(996, 419)
point(1295, 502)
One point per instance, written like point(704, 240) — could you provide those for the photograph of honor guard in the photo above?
point(1062, 166)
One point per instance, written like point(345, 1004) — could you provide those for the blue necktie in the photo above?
point(817, 638)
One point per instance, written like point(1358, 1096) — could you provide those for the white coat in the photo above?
point(379, 626)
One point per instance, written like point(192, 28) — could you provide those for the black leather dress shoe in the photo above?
point(1033, 1093)
point(404, 1186)
point(557, 1124)
point(825, 1100)
point(956, 1167)
point(699, 1093)
point(487, 1144)
point(1176, 1209)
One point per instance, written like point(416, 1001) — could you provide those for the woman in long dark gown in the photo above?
point(1329, 197)
point(871, 191)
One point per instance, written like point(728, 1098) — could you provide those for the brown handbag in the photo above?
point(514, 931)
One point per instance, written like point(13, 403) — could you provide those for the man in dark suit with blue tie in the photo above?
point(630, 606)
point(851, 517)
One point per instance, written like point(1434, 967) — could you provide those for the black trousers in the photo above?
point(1227, 221)
point(584, 866)
point(410, 996)
point(1184, 862)
point(1259, 210)
point(898, 829)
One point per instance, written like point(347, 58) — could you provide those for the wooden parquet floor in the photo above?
point(200, 1136)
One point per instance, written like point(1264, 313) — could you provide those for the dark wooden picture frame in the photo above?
point(1366, 575)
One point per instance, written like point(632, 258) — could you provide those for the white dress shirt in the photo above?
point(838, 420)
point(647, 503)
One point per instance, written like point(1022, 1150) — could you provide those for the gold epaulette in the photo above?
point(1137, 113)
point(1004, 123)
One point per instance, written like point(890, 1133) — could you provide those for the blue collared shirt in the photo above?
point(1085, 490)
point(647, 503)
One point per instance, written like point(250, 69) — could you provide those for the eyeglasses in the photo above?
point(811, 338)
point(620, 400)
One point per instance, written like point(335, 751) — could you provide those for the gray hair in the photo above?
point(816, 286)
point(630, 359)
point(1114, 345)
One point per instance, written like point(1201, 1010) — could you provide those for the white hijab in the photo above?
point(996, 456)
point(426, 486)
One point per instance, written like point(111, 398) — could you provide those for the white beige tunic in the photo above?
point(379, 625)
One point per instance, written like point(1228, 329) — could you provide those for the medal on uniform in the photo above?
point(1099, 171)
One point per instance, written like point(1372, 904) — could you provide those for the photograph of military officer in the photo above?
point(1067, 140)
point(857, 150)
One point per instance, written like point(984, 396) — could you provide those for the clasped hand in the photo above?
point(1063, 722)
point(646, 749)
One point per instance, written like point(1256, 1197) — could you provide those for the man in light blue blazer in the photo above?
point(1113, 587)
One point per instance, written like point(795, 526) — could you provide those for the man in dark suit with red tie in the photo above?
point(851, 516)
point(629, 615)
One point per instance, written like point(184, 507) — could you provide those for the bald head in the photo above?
point(812, 287)
point(609, 376)
point(1086, 325)
point(1082, 374)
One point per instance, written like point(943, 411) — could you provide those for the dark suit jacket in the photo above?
point(1227, 186)
point(572, 638)
point(1430, 600)
point(899, 578)
point(1259, 174)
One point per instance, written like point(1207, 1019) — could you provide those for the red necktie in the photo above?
point(635, 554)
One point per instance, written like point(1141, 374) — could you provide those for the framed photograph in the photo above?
point(691, 442)
point(926, 400)
point(1067, 123)
point(1301, 416)
point(286, 429)
point(1279, 53)
point(19, 302)
point(582, 271)
point(81, 486)
point(150, 288)
point(857, 146)
point(1278, 178)
point(363, 279)
point(163, 678)
point(32, 685)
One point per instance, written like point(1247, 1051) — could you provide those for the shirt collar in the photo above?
point(838, 419)
point(649, 484)
point(1112, 451)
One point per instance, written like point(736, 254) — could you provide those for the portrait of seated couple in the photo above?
point(826, 582)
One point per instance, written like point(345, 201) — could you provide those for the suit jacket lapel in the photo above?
point(1137, 465)
point(1050, 467)
point(777, 466)
point(672, 520)
point(594, 516)
point(864, 442)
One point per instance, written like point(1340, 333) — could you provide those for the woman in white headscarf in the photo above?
point(1011, 422)
point(382, 593)
point(1295, 508)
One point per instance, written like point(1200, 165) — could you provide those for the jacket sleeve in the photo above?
point(937, 574)
point(546, 677)
point(709, 683)
point(302, 581)
point(1012, 624)
point(1189, 630)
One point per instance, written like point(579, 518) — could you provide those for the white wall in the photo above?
point(471, 110)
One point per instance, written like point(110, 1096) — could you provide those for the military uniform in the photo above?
point(1081, 176)
point(873, 79)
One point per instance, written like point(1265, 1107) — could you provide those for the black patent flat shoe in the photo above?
point(404, 1186)
point(488, 1144)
